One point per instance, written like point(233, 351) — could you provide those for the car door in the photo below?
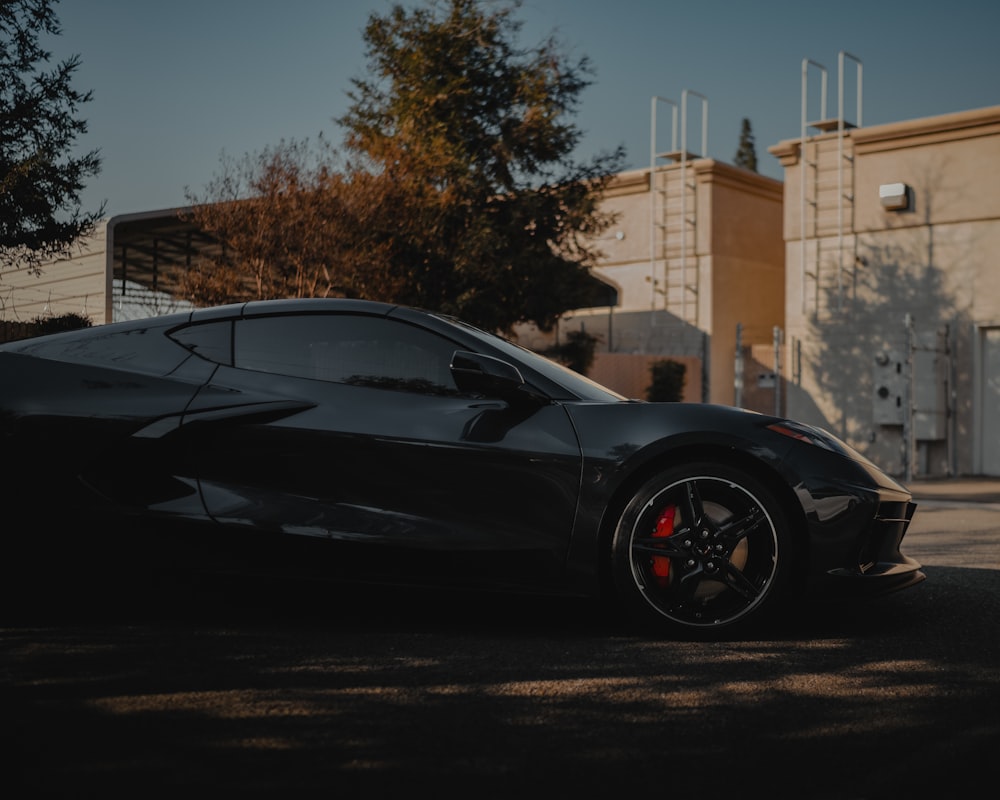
point(348, 429)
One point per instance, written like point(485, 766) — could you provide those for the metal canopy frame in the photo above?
point(153, 249)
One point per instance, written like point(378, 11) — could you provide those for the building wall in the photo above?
point(682, 293)
point(916, 288)
point(746, 268)
point(78, 285)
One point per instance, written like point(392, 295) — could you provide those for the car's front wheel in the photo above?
point(703, 549)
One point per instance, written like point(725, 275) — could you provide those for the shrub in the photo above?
point(668, 381)
point(65, 322)
point(13, 330)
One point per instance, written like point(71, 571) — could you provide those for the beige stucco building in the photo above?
point(79, 284)
point(892, 314)
point(696, 261)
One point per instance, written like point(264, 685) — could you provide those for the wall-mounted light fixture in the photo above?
point(894, 196)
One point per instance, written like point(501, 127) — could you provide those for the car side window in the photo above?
point(212, 340)
point(346, 348)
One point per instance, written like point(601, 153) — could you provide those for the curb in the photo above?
point(966, 490)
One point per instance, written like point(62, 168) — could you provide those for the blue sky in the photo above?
point(179, 83)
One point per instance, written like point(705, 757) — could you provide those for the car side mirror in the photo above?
point(475, 372)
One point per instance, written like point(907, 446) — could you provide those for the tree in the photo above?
point(746, 155)
point(477, 129)
point(40, 182)
point(457, 190)
point(291, 224)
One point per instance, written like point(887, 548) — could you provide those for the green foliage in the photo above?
point(40, 181)
point(455, 191)
point(11, 330)
point(668, 378)
point(746, 154)
point(577, 352)
point(469, 134)
point(64, 322)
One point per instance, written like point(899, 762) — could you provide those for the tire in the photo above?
point(702, 550)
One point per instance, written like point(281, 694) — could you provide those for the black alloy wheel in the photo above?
point(702, 548)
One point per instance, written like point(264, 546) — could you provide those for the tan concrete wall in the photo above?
point(935, 263)
point(950, 162)
point(625, 246)
point(747, 276)
point(629, 374)
point(77, 285)
point(733, 259)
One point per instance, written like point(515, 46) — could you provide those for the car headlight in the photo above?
point(809, 435)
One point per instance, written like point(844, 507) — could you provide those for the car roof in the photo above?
point(257, 308)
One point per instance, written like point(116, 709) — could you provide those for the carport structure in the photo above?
point(150, 251)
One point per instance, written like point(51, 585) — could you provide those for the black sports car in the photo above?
point(364, 440)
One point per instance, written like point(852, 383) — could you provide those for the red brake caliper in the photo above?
point(664, 527)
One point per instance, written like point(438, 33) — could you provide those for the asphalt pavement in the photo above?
point(260, 691)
